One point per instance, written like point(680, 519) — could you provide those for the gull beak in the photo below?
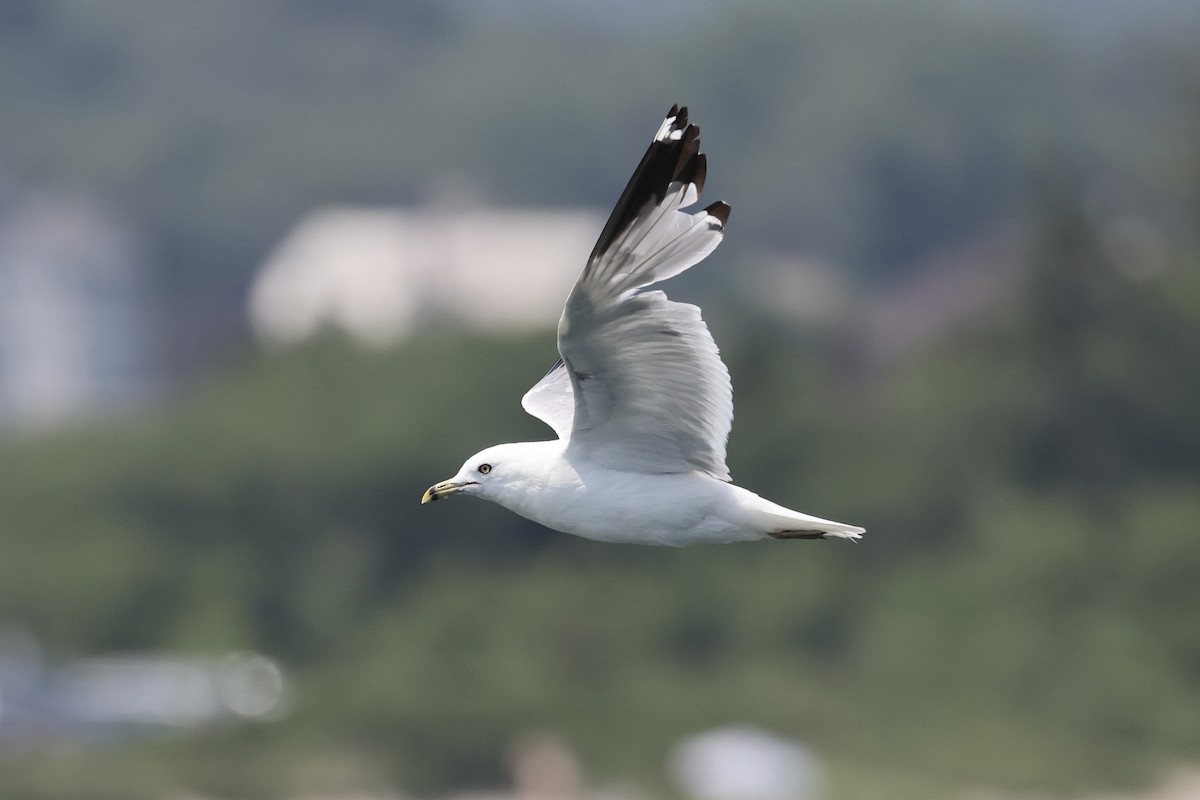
point(443, 489)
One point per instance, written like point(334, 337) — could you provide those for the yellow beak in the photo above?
point(443, 489)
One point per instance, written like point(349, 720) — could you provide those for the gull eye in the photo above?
point(484, 469)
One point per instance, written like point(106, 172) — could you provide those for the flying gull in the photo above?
point(640, 399)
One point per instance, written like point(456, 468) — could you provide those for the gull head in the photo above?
point(487, 474)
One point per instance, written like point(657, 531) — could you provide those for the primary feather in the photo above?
point(649, 390)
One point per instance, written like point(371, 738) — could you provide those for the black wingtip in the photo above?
point(673, 156)
point(686, 163)
point(695, 171)
point(720, 210)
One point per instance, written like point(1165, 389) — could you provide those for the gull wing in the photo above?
point(649, 391)
point(552, 400)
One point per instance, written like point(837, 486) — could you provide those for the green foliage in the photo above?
point(1019, 614)
point(1012, 619)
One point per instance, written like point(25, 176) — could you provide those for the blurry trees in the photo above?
point(1019, 613)
point(1029, 485)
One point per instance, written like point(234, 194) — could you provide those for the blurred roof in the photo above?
point(380, 274)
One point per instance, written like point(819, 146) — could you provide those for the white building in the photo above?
point(378, 273)
point(73, 314)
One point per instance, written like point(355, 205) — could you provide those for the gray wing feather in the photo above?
point(640, 386)
point(650, 393)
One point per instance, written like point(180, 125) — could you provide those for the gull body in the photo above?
point(545, 482)
point(640, 399)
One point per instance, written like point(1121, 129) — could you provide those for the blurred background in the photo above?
point(268, 270)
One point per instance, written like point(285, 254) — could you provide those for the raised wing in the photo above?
point(650, 391)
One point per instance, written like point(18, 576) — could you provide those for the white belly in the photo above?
point(610, 506)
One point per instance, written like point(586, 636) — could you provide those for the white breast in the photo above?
point(611, 506)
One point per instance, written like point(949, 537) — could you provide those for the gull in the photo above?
point(639, 399)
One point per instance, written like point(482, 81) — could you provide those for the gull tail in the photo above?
point(782, 523)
